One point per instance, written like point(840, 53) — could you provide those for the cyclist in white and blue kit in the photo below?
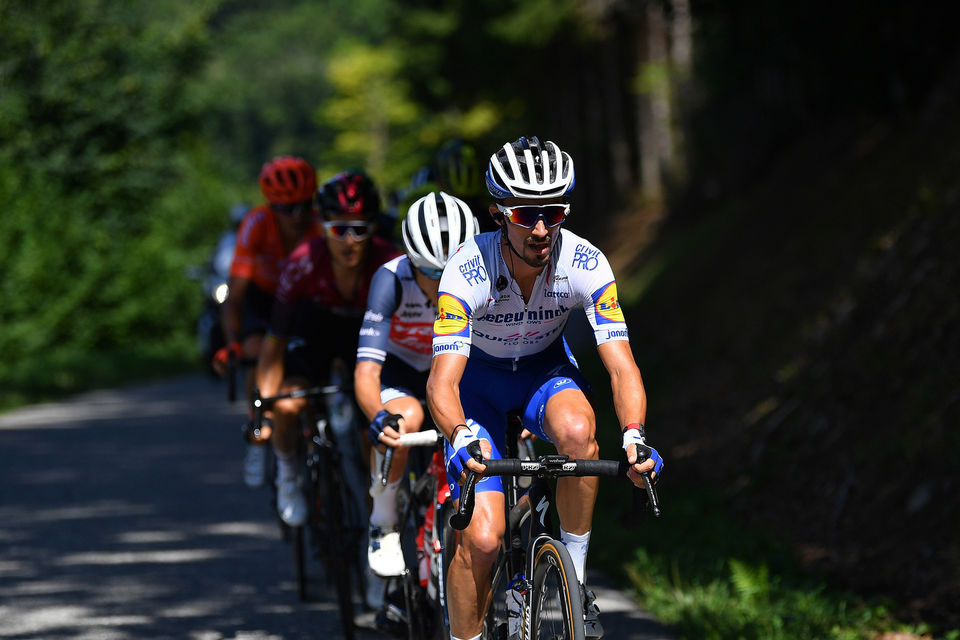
point(504, 300)
point(394, 352)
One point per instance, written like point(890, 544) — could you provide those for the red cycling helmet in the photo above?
point(287, 180)
point(350, 193)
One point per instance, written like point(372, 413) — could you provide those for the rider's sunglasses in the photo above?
point(526, 215)
point(359, 229)
point(294, 210)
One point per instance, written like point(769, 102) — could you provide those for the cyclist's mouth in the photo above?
point(540, 248)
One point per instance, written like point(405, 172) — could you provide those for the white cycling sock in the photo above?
point(476, 637)
point(286, 464)
point(577, 546)
point(384, 512)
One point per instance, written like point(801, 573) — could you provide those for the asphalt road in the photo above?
point(123, 515)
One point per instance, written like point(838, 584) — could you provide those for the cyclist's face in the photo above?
point(535, 243)
point(346, 250)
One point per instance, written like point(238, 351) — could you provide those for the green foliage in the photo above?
point(756, 593)
point(99, 139)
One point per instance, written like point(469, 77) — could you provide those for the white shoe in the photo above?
point(255, 465)
point(291, 505)
point(384, 554)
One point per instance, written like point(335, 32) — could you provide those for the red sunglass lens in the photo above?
point(528, 216)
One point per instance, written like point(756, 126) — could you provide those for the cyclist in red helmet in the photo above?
point(321, 299)
point(266, 237)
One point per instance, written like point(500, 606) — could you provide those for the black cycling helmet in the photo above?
point(351, 193)
point(459, 171)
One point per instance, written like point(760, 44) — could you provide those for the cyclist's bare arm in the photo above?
point(443, 391)
point(270, 365)
point(629, 396)
point(443, 398)
point(366, 386)
point(231, 315)
point(231, 319)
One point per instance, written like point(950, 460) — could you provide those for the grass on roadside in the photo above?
point(699, 571)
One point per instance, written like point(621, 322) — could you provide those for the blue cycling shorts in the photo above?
point(488, 392)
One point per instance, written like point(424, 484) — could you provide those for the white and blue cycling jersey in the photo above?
point(516, 355)
point(398, 328)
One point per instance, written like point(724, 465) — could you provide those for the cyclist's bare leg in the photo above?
point(468, 579)
point(251, 351)
point(570, 422)
point(285, 414)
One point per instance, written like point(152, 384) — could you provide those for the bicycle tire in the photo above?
point(495, 621)
point(300, 562)
point(337, 566)
point(556, 604)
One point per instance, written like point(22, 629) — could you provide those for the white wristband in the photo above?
point(635, 438)
point(463, 437)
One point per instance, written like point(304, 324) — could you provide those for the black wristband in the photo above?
point(453, 434)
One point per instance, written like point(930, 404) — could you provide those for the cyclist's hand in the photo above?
point(640, 455)
point(385, 429)
point(462, 458)
point(526, 434)
point(222, 357)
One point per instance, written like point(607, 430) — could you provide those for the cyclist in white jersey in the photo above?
point(394, 352)
point(504, 299)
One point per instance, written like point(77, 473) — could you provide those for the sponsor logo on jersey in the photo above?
point(372, 316)
point(473, 271)
point(449, 346)
point(530, 337)
point(416, 336)
point(547, 293)
point(607, 304)
point(561, 382)
point(452, 317)
point(532, 315)
point(585, 257)
point(616, 333)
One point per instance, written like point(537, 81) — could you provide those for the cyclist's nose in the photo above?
point(539, 229)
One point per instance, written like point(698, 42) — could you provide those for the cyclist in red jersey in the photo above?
point(266, 237)
point(321, 298)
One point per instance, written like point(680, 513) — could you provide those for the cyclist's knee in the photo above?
point(481, 545)
point(411, 410)
point(289, 407)
point(575, 436)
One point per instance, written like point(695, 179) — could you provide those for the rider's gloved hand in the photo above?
point(463, 437)
point(634, 434)
point(381, 421)
point(222, 356)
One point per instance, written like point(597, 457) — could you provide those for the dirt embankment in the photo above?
point(806, 353)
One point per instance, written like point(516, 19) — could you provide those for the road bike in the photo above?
point(415, 601)
point(536, 594)
point(336, 527)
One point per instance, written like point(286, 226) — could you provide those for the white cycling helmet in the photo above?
point(435, 226)
point(528, 168)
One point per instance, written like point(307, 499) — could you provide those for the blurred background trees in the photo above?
point(778, 152)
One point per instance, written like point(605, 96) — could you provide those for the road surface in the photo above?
point(123, 515)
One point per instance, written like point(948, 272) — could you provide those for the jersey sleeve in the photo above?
point(464, 290)
point(382, 302)
point(597, 290)
point(245, 251)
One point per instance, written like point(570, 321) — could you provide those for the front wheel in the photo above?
point(300, 562)
point(557, 608)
